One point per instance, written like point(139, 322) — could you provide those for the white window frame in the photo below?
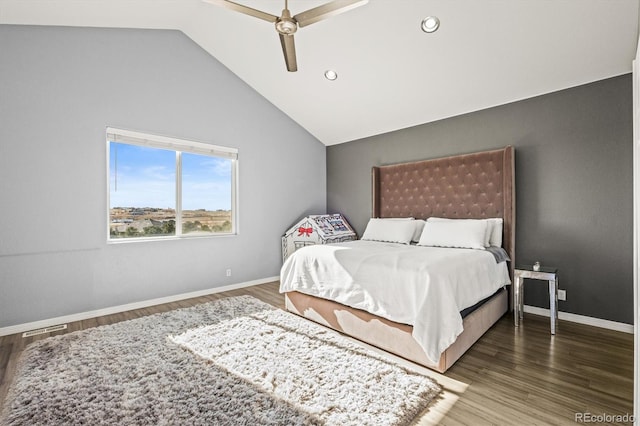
point(179, 146)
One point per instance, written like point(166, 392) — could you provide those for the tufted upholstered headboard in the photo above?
point(472, 186)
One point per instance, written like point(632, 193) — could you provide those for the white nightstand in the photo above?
point(545, 274)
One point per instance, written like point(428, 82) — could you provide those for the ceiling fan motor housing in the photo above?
point(286, 24)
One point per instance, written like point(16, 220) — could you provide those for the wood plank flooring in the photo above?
point(512, 376)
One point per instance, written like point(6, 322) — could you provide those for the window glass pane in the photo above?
point(142, 191)
point(206, 194)
point(156, 183)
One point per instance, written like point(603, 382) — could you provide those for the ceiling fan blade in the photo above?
point(244, 9)
point(325, 11)
point(289, 50)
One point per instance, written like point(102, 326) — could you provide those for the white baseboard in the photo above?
point(581, 319)
point(20, 328)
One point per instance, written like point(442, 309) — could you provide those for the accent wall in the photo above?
point(574, 185)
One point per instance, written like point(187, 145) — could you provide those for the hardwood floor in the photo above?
point(511, 376)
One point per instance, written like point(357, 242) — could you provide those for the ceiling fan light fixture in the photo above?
point(330, 75)
point(286, 26)
point(430, 24)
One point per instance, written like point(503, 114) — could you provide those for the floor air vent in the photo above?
point(44, 330)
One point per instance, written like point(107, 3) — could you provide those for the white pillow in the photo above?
point(398, 218)
point(419, 227)
point(487, 228)
point(495, 240)
point(392, 231)
point(455, 233)
point(494, 229)
point(418, 223)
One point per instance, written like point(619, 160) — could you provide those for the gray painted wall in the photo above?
point(59, 89)
point(573, 181)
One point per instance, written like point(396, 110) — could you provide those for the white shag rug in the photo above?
point(246, 363)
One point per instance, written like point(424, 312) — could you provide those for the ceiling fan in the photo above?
point(287, 25)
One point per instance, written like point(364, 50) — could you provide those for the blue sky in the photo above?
point(146, 178)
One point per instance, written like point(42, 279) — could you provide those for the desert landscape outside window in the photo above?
point(161, 187)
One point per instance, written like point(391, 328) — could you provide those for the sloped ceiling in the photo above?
point(391, 75)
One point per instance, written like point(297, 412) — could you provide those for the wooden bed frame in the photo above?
point(475, 186)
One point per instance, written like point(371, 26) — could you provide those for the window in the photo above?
point(161, 187)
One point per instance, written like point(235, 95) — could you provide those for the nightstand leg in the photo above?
point(517, 300)
point(521, 296)
point(553, 304)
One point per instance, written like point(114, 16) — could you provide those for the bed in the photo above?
point(470, 186)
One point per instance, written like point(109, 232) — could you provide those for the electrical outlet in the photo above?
point(562, 294)
point(228, 272)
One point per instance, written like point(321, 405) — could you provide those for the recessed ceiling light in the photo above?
point(430, 24)
point(330, 75)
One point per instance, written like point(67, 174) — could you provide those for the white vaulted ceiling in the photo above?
point(391, 74)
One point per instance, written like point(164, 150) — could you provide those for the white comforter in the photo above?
point(425, 287)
